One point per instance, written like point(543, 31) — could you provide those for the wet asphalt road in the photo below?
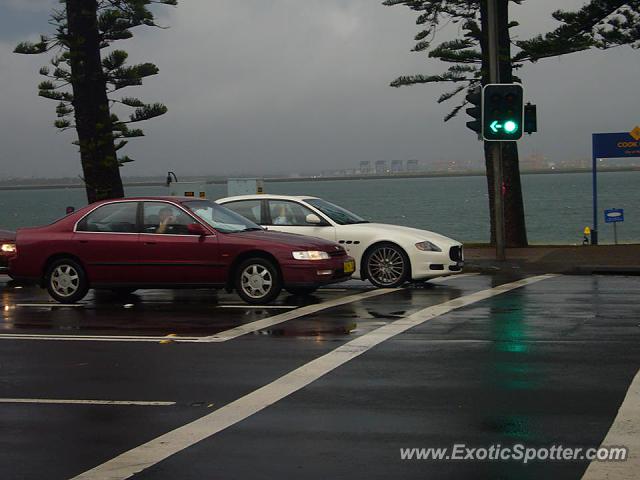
point(543, 364)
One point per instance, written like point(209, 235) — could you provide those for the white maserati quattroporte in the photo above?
point(386, 255)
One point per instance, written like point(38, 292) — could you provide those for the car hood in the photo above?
point(293, 240)
point(408, 233)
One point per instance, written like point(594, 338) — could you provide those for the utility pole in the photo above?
point(496, 147)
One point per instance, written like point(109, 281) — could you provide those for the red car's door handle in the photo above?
point(84, 241)
point(149, 243)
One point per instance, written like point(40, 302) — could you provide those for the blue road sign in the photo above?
point(616, 145)
point(611, 145)
point(614, 215)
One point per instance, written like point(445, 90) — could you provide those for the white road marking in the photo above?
point(86, 402)
point(241, 330)
point(259, 307)
point(160, 448)
point(95, 338)
point(54, 305)
point(130, 305)
point(624, 432)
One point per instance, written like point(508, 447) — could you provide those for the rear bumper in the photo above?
point(315, 273)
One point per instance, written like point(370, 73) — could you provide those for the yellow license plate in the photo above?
point(349, 266)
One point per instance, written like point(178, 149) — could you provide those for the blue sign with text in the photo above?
point(616, 145)
point(614, 215)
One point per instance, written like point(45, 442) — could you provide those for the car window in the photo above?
point(111, 218)
point(164, 218)
point(285, 212)
point(338, 214)
point(250, 209)
point(220, 218)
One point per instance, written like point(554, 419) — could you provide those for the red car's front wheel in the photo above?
point(66, 281)
point(258, 281)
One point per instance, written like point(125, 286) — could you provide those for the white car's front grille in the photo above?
point(455, 254)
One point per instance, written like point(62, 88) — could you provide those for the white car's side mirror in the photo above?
point(313, 218)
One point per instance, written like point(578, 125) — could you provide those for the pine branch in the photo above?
point(114, 60)
point(447, 96)
point(131, 102)
point(583, 30)
point(31, 48)
point(454, 112)
point(124, 159)
point(147, 112)
point(416, 79)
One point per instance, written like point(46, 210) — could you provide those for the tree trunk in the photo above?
point(93, 121)
point(515, 227)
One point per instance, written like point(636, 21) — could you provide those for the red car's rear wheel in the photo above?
point(66, 281)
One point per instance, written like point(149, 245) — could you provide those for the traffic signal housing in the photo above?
point(502, 112)
point(474, 97)
point(530, 118)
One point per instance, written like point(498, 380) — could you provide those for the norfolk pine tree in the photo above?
point(82, 29)
point(599, 24)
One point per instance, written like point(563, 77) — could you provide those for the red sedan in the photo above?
point(169, 242)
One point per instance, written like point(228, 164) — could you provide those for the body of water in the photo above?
point(557, 206)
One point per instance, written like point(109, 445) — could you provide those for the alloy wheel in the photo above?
point(256, 281)
point(386, 266)
point(65, 280)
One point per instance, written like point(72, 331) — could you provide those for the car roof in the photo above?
point(165, 198)
point(268, 196)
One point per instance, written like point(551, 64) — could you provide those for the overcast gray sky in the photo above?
point(279, 86)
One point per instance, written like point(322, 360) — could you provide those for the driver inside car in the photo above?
point(166, 218)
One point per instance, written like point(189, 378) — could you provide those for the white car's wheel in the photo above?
point(386, 265)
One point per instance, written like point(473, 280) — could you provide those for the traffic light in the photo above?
point(530, 118)
point(474, 97)
point(502, 112)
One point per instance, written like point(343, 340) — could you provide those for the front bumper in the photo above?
point(426, 265)
point(302, 273)
point(4, 264)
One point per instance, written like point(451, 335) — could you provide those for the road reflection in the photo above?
point(196, 313)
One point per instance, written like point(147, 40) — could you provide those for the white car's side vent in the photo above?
point(349, 242)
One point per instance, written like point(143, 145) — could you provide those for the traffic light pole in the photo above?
point(496, 147)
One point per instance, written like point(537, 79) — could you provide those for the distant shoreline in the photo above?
point(223, 181)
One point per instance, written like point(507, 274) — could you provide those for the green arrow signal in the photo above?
point(495, 126)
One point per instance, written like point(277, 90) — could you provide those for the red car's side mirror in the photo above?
point(197, 229)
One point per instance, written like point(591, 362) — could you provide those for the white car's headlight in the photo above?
point(428, 246)
point(311, 255)
point(8, 248)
